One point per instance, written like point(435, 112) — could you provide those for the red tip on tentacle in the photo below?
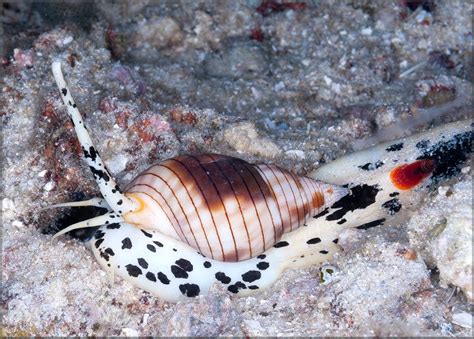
point(407, 176)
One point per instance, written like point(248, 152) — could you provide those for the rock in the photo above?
point(442, 232)
point(244, 138)
point(238, 61)
point(158, 32)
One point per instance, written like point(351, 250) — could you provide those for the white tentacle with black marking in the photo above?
point(107, 185)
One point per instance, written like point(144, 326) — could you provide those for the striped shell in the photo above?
point(224, 207)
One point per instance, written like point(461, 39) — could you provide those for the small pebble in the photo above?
point(366, 31)
point(49, 186)
point(462, 319)
point(42, 173)
point(410, 254)
point(129, 332)
point(67, 40)
point(444, 190)
point(7, 204)
point(18, 223)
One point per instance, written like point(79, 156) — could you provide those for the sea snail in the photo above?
point(224, 207)
point(259, 202)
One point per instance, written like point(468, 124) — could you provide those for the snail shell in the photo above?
point(224, 207)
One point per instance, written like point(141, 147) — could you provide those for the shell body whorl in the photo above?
point(224, 207)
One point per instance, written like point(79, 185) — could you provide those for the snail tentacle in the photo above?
point(96, 202)
point(106, 219)
point(107, 185)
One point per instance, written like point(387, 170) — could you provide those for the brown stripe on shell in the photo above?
point(135, 189)
point(236, 219)
point(212, 178)
point(296, 206)
point(203, 188)
point(174, 199)
point(279, 195)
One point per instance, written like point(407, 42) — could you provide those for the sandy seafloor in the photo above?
point(295, 84)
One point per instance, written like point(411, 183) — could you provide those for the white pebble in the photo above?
point(366, 31)
point(253, 324)
point(7, 204)
point(42, 173)
point(296, 153)
point(403, 64)
point(443, 190)
point(279, 86)
point(422, 44)
point(466, 170)
point(145, 319)
point(129, 332)
point(49, 186)
point(18, 223)
point(462, 319)
point(327, 80)
point(118, 163)
point(67, 40)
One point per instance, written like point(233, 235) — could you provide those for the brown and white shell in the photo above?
point(226, 208)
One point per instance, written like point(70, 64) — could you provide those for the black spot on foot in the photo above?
point(222, 277)
point(189, 290)
point(126, 243)
point(393, 206)
point(157, 243)
point(313, 241)
point(98, 243)
point(207, 264)
point(394, 147)
point(151, 248)
point(449, 156)
point(251, 276)
point(236, 287)
point(370, 166)
point(326, 211)
point(261, 256)
point(323, 252)
point(147, 234)
point(99, 234)
point(281, 244)
point(422, 144)
point(263, 265)
point(371, 224)
point(178, 272)
point(184, 264)
point(150, 276)
point(360, 197)
point(142, 262)
point(163, 278)
point(109, 251)
point(133, 271)
point(113, 226)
